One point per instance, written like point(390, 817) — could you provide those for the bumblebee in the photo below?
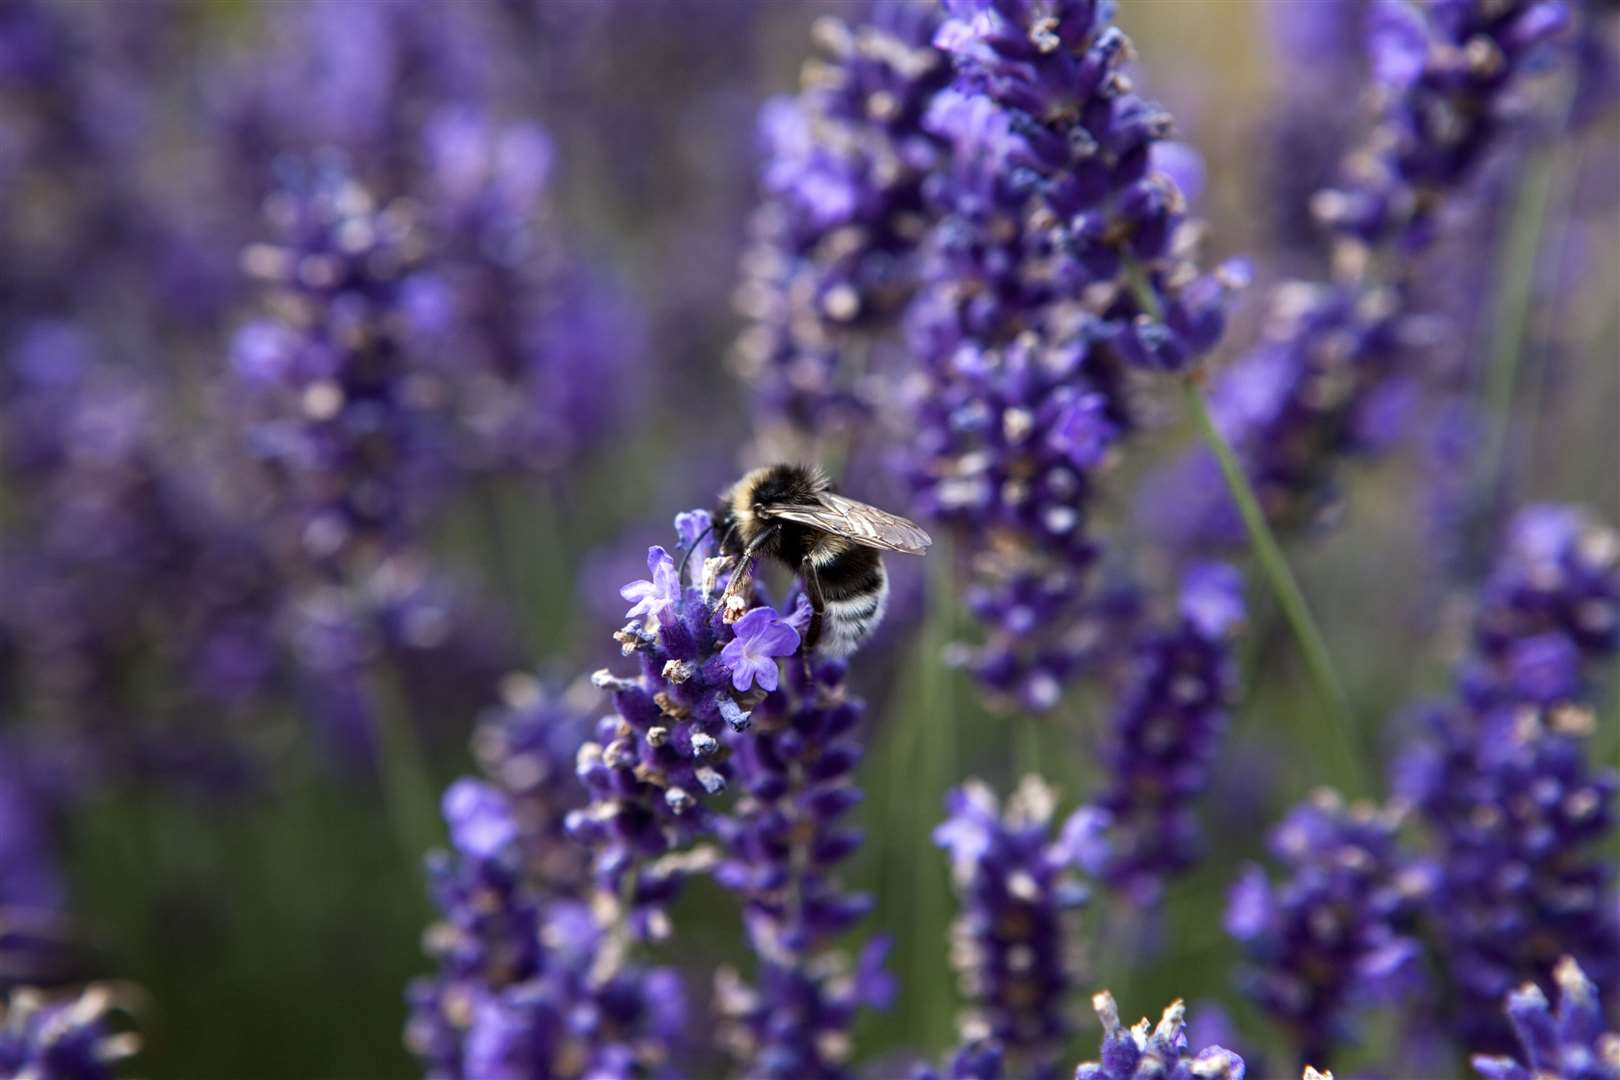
point(790, 513)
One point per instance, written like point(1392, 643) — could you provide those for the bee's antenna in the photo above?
point(680, 571)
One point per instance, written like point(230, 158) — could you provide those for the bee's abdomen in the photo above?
point(856, 591)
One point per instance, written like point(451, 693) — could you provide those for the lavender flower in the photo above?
point(761, 637)
point(343, 416)
point(117, 547)
point(651, 765)
point(1336, 935)
point(1335, 350)
point(832, 260)
point(1141, 829)
point(1570, 1045)
point(528, 983)
point(1449, 73)
point(61, 1039)
point(1061, 259)
point(1304, 131)
point(548, 341)
point(1010, 945)
point(783, 843)
point(1137, 1053)
point(1513, 808)
point(1501, 778)
point(1551, 603)
point(976, 1059)
point(526, 744)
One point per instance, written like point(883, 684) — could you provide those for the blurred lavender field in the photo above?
point(369, 704)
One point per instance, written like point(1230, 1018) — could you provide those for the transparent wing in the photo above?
point(859, 523)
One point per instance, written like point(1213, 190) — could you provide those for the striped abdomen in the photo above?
point(855, 590)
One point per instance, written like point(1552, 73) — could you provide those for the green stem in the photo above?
point(1290, 598)
point(938, 715)
point(1544, 174)
point(409, 792)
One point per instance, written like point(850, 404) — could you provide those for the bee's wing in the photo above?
point(858, 523)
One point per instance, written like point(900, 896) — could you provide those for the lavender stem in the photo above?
point(409, 791)
point(1542, 176)
point(1284, 586)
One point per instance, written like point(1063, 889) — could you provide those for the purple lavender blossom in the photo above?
point(1010, 943)
point(1513, 811)
point(652, 765)
point(117, 546)
point(526, 744)
point(1336, 936)
point(1570, 1045)
point(1060, 259)
point(761, 637)
point(1501, 780)
point(976, 1059)
point(783, 843)
point(61, 1038)
point(548, 341)
point(1137, 1053)
point(1167, 727)
point(832, 260)
point(1550, 605)
point(1304, 131)
point(1449, 72)
point(346, 420)
point(528, 983)
point(1334, 350)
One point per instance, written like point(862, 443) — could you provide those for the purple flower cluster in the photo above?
point(1303, 133)
point(1168, 724)
point(529, 983)
point(1513, 807)
point(1337, 934)
point(1011, 945)
point(524, 933)
point(1550, 607)
point(783, 843)
point(652, 764)
point(1501, 779)
point(1571, 1044)
point(342, 412)
point(116, 552)
point(1061, 259)
point(61, 1039)
point(1326, 380)
point(526, 744)
point(831, 264)
point(976, 1059)
point(1162, 1053)
point(1448, 73)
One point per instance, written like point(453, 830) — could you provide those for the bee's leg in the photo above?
point(818, 603)
point(747, 560)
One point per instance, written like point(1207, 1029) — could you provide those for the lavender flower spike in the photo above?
point(783, 844)
point(1138, 1053)
point(1141, 828)
point(529, 982)
point(1569, 1045)
point(1062, 257)
point(652, 765)
point(1010, 944)
point(1336, 935)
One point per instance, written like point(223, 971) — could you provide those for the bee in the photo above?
point(791, 514)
